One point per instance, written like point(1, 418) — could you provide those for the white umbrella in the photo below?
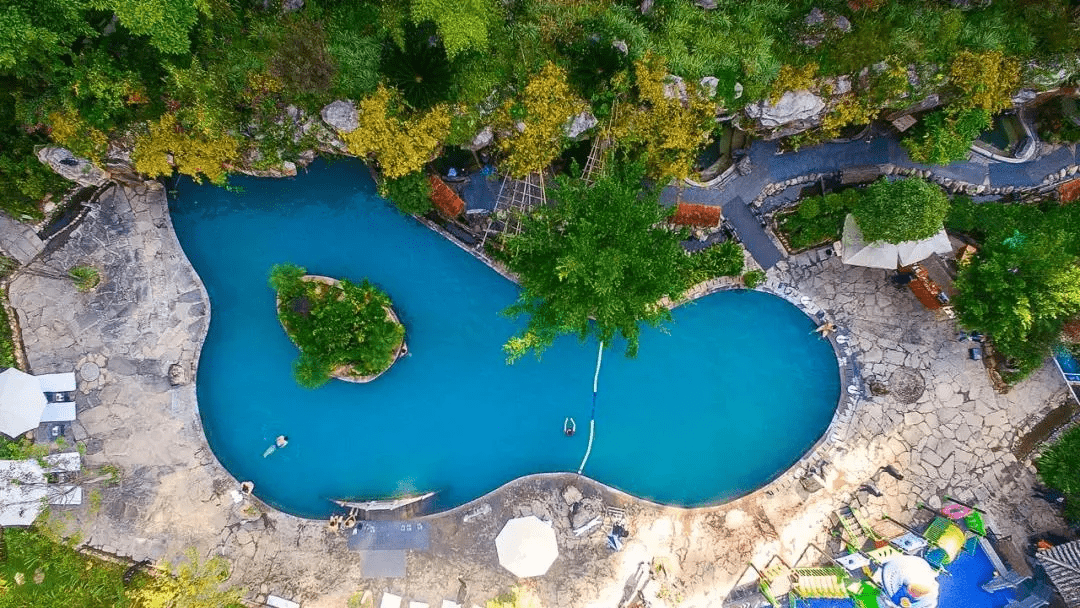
point(527, 546)
point(21, 402)
point(889, 256)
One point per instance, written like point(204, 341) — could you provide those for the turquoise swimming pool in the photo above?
point(729, 396)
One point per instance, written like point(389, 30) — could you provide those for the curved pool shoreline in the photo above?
point(708, 288)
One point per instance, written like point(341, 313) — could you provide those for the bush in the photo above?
point(901, 210)
point(85, 277)
point(1059, 468)
point(818, 219)
point(753, 278)
point(411, 193)
point(945, 136)
point(722, 260)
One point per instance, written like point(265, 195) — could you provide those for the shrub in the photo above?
point(902, 210)
point(721, 260)
point(400, 142)
point(411, 193)
point(986, 80)
point(817, 220)
point(753, 278)
point(1059, 468)
point(793, 78)
point(945, 136)
point(85, 277)
point(544, 108)
point(194, 154)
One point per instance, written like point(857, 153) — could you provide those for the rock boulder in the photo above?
point(341, 115)
point(579, 124)
point(792, 107)
point(69, 166)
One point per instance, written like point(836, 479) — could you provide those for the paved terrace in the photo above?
point(151, 313)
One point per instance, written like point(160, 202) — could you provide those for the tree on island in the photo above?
point(341, 328)
point(902, 210)
point(597, 262)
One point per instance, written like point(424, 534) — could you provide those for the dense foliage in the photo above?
point(597, 262)
point(188, 79)
point(342, 325)
point(1059, 468)
point(411, 193)
point(945, 136)
point(817, 219)
point(901, 210)
point(721, 260)
point(41, 571)
point(1024, 283)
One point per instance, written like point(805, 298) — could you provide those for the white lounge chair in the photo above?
point(67, 462)
point(58, 412)
point(449, 604)
point(279, 602)
point(389, 600)
point(57, 383)
point(64, 495)
point(418, 605)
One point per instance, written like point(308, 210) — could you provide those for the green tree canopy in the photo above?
point(945, 136)
point(1020, 290)
point(167, 23)
point(599, 253)
point(901, 210)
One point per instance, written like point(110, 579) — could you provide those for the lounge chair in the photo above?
point(418, 605)
point(1031, 601)
point(64, 495)
point(828, 582)
point(856, 531)
point(66, 462)
point(389, 600)
point(883, 554)
point(449, 604)
point(57, 383)
point(775, 581)
point(58, 412)
point(280, 602)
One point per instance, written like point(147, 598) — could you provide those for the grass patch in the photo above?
point(85, 277)
point(55, 575)
point(721, 260)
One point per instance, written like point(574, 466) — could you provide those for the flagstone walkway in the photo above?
point(135, 340)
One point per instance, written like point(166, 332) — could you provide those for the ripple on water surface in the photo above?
point(731, 394)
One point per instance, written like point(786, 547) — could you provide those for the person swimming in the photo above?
point(280, 442)
point(569, 427)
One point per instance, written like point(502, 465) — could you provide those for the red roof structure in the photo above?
point(446, 200)
point(689, 214)
point(1070, 191)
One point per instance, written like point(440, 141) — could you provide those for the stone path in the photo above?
point(769, 167)
point(151, 313)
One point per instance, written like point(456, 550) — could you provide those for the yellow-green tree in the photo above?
point(670, 129)
point(792, 78)
point(195, 154)
point(196, 584)
point(536, 122)
point(986, 80)
point(68, 129)
point(401, 144)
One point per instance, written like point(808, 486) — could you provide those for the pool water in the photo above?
point(729, 396)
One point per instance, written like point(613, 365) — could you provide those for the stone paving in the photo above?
point(134, 342)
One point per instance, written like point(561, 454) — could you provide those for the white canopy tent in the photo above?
point(890, 256)
point(527, 546)
point(21, 402)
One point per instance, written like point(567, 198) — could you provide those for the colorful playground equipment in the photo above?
point(887, 565)
point(908, 581)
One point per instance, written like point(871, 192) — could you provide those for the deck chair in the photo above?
point(58, 412)
point(1031, 601)
point(775, 581)
point(883, 554)
point(389, 600)
point(828, 582)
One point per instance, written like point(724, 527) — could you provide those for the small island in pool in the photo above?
point(343, 330)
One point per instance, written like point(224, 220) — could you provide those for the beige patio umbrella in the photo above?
point(21, 402)
point(889, 256)
point(527, 546)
